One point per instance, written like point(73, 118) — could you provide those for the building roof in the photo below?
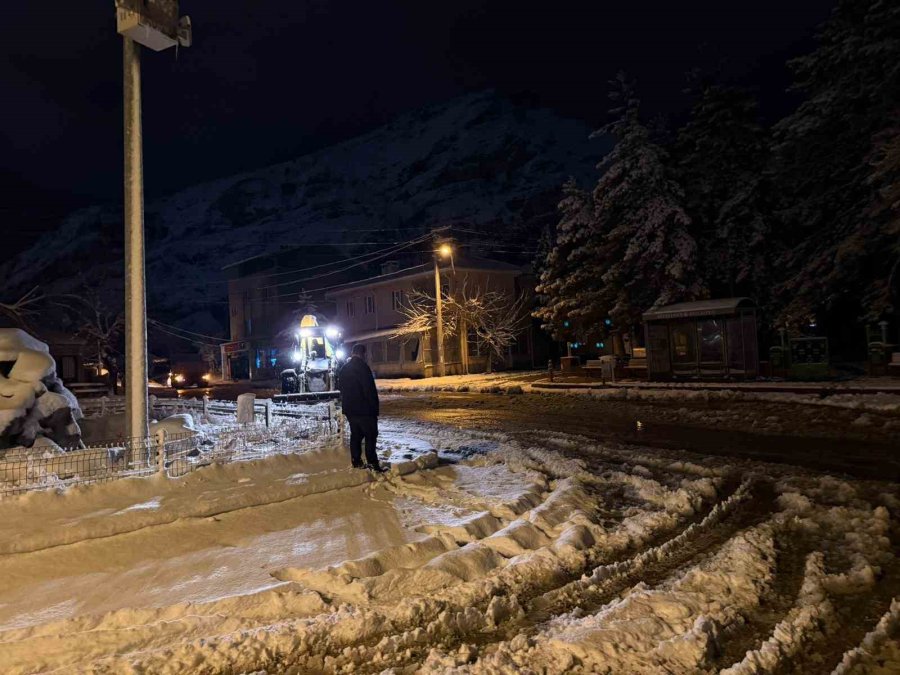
point(460, 263)
point(699, 308)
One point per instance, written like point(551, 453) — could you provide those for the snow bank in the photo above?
point(33, 401)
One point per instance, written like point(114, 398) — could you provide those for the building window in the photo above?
point(370, 304)
point(376, 352)
point(397, 300)
point(392, 351)
point(411, 350)
point(351, 310)
point(248, 326)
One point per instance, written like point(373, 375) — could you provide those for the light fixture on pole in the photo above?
point(444, 250)
point(154, 24)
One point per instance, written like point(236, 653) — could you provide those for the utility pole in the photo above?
point(135, 282)
point(444, 250)
point(155, 24)
point(442, 366)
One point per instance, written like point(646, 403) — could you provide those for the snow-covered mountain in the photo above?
point(479, 161)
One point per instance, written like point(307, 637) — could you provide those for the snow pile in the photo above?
point(34, 404)
point(516, 559)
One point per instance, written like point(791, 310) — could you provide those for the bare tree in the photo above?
point(99, 327)
point(23, 309)
point(496, 318)
point(421, 315)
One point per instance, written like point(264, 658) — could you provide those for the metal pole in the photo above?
point(442, 368)
point(135, 292)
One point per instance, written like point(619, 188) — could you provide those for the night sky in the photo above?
point(267, 80)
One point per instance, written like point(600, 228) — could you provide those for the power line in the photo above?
point(163, 326)
point(370, 259)
point(185, 338)
point(397, 247)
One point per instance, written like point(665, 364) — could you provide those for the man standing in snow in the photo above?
point(359, 401)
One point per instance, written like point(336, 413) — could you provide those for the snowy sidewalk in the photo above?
point(218, 532)
point(867, 395)
point(870, 385)
point(538, 380)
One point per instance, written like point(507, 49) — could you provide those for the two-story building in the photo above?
point(265, 295)
point(370, 310)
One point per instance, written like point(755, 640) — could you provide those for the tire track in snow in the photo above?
point(698, 536)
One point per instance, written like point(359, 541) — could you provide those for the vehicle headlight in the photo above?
point(179, 378)
point(207, 377)
point(340, 354)
point(332, 332)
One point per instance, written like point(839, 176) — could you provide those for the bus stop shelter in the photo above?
point(706, 338)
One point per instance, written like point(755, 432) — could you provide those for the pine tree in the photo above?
point(641, 236)
point(625, 247)
point(836, 251)
point(556, 295)
point(722, 154)
point(881, 229)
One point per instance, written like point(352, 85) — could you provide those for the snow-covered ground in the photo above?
point(556, 556)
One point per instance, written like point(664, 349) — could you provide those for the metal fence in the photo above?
point(277, 430)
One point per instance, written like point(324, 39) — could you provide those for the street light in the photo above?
point(444, 250)
point(154, 24)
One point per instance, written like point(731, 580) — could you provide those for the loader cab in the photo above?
point(315, 360)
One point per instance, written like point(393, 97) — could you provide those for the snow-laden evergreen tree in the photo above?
point(838, 253)
point(556, 294)
point(882, 227)
point(722, 153)
point(627, 246)
point(640, 239)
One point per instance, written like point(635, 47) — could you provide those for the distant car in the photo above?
point(188, 370)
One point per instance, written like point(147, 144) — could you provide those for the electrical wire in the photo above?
point(161, 326)
point(185, 338)
point(392, 248)
point(370, 259)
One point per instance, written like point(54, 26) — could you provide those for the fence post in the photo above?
point(103, 401)
point(206, 407)
point(246, 413)
point(332, 416)
point(270, 412)
point(161, 450)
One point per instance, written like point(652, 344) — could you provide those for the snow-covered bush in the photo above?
point(34, 404)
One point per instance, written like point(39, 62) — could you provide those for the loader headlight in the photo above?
point(305, 332)
point(332, 332)
point(296, 356)
point(340, 354)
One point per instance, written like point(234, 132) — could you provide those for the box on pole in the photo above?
point(153, 23)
